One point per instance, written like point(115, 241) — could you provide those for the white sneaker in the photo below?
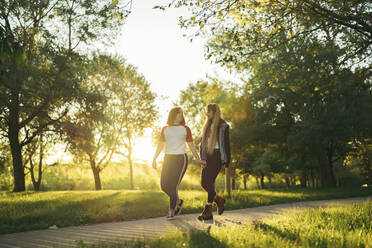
point(170, 215)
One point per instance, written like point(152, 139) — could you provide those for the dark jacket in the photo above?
point(223, 140)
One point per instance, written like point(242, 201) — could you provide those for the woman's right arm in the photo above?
point(159, 148)
point(196, 155)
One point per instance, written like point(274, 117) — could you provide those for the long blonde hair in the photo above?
point(214, 122)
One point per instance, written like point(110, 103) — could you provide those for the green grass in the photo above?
point(337, 226)
point(32, 211)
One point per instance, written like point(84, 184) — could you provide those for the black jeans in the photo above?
point(210, 173)
point(174, 168)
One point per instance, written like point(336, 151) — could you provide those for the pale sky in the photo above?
point(152, 41)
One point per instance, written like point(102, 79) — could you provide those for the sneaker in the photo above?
point(170, 215)
point(178, 209)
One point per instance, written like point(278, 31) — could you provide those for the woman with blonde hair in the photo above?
point(174, 137)
point(215, 150)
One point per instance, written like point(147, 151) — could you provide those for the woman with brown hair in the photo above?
point(215, 150)
point(174, 137)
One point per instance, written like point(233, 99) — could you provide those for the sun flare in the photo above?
point(143, 150)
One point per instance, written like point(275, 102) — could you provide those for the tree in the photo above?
point(39, 70)
point(137, 110)
point(361, 156)
point(257, 145)
point(114, 107)
point(33, 97)
point(35, 154)
point(88, 132)
point(301, 90)
point(308, 64)
point(244, 29)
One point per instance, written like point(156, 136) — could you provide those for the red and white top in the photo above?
point(175, 138)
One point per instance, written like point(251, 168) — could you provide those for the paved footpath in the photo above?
point(151, 228)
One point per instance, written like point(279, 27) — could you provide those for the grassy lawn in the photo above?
point(338, 226)
point(32, 211)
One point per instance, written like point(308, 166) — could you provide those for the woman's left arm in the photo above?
point(195, 154)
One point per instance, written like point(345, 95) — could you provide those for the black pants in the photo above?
point(209, 173)
point(173, 170)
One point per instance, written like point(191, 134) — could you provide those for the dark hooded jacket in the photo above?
point(223, 139)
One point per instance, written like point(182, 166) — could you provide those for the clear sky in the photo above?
point(152, 40)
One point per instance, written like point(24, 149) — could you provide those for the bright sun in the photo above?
point(143, 150)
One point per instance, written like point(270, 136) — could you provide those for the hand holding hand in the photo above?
point(203, 163)
point(154, 164)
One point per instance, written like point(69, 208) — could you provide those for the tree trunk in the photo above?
point(262, 181)
point(18, 170)
point(97, 179)
point(233, 180)
point(37, 186)
point(293, 181)
point(131, 183)
point(367, 169)
point(257, 182)
point(37, 183)
point(303, 179)
point(15, 147)
point(330, 167)
point(40, 176)
point(326, 175)
point(270, 185)
point(96, 171)
point(287, 182)
point(227, 180)
point(245, 181)
point(312, 177)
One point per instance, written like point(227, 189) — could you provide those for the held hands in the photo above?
point(154, 164)
point(203, 163)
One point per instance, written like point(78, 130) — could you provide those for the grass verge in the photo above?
point(337, 226)
point(31, 211)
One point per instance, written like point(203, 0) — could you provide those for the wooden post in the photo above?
point(228, 180)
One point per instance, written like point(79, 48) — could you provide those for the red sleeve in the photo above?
point(188, 134)
point(162, 137)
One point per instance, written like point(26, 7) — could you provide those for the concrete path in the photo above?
point(151, 228)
